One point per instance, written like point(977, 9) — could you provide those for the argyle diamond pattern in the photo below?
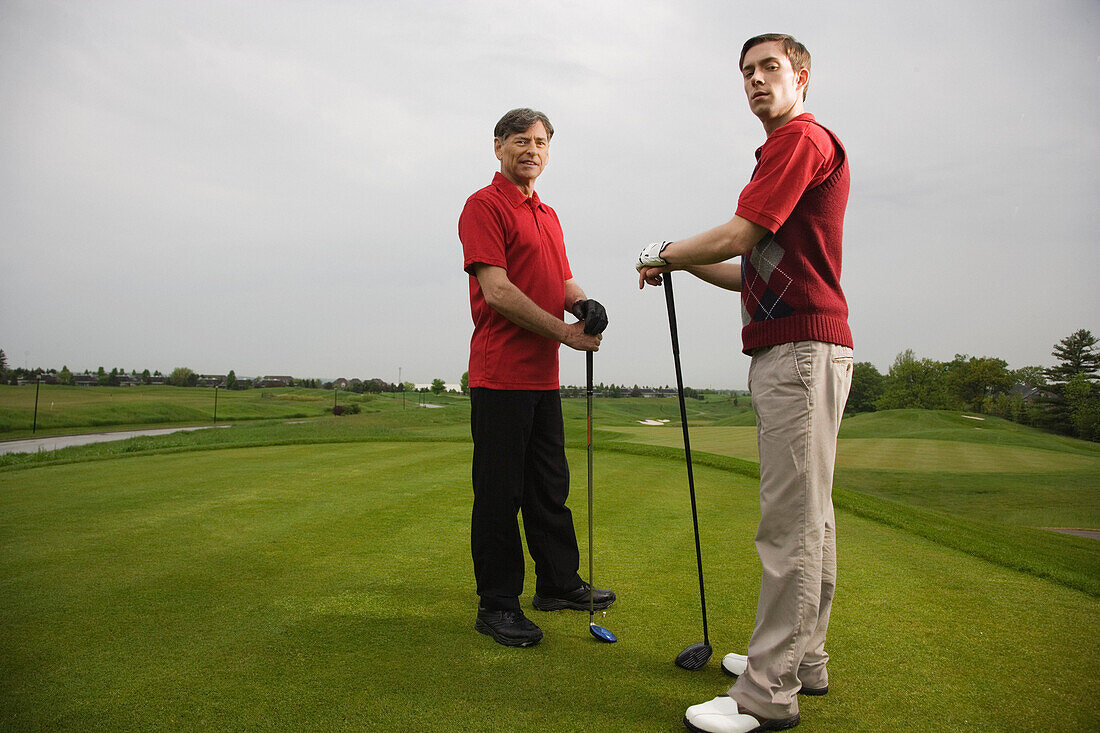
point(765, 284)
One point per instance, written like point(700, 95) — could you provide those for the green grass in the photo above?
point(1055, 499)
point(327, 587)
point(900, 454)
point(62, 408)
point(991, 470)
point(314, 574)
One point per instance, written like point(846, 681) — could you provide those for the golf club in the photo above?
point(602, 634)
point(695, 656)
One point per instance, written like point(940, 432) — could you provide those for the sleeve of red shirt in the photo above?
point(789, 162)
point(482, 235)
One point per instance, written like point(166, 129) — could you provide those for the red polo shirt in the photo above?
point(500, 226)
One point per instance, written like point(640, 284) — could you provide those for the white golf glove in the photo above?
point(650, 256)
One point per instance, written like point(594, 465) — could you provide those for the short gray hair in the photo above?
point(520, 120)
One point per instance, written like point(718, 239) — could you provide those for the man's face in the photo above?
point(523, 156)
point(772, 86)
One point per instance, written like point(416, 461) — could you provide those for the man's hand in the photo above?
point(576, 338)
point(652, 275)
point(650, 256)
point(592, 313)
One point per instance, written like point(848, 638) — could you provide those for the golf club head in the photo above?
point(694, 657)
point(604, 635)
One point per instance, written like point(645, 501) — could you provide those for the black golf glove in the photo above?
point(593, 314)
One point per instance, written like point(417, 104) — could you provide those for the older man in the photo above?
point(520, 288)
point(787, 231)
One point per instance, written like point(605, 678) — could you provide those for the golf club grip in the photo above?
point(588, 391)
point(670, 303)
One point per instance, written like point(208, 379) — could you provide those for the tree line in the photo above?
point(609, 390)
point(182, 377)
point(1064, 398)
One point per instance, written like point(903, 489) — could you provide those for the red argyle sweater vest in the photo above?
point(790, 282)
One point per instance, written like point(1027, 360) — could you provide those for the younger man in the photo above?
point(787, 230)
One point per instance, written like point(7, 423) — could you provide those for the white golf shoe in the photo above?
point(735, 664)
point(720, 715)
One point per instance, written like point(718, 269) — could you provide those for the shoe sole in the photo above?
point(558, 604)
point(486, 629)
point(784, 724)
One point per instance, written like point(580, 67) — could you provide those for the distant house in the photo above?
point(270, 381)
point(128, 380)
point(1031, 394)
point(340, 383)
point(45, 378)
point(211, 380)
point(85, 380)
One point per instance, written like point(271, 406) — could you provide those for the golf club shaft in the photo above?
point(588, 395)
point(687, 444)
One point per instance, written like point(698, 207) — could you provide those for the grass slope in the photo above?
point(328, 587)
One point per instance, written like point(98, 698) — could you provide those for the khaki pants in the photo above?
point(798, 392)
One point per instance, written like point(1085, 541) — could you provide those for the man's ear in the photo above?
point(498, 147)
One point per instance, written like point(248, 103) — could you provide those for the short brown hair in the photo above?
point(520, 120)
point(796, 52)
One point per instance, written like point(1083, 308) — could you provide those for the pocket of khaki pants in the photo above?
point(844, 361)
point(803, 354)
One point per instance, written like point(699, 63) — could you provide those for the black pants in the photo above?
point(519, 465)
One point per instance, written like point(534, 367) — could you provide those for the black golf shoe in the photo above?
point(576, 600)
point(510, 628)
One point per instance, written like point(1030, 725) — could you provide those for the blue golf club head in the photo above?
point(604, 635)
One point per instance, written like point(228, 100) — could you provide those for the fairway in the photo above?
point(61, 408)
point(900, 454)
point(328, 587)
point(739, 442)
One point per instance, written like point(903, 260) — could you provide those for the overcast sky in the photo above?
point(274, 187)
